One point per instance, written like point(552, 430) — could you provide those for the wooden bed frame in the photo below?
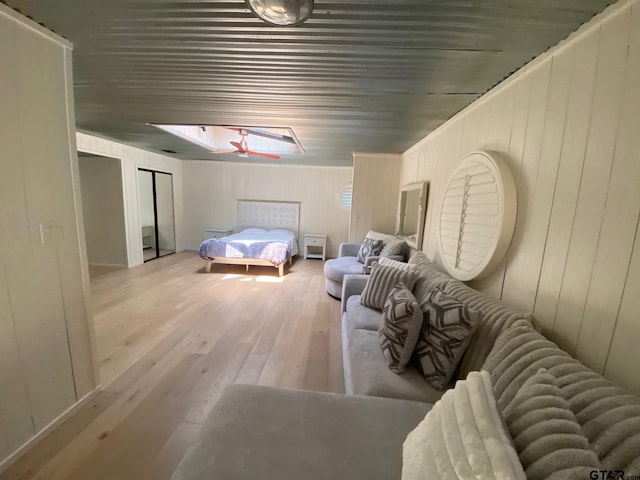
point(248, 261)
point(268, 215)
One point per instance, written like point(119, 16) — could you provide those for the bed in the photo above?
point(267, 236)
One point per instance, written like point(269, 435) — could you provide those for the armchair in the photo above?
point(347, 263)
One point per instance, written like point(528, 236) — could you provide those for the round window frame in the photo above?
point(350, 187)
point(507, 212)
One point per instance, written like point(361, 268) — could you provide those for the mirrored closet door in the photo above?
point(155, 193)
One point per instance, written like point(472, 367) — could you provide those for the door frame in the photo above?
point(155, 209)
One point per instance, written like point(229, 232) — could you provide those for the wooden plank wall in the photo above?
point(46, 362)
point(211, 190)
point(568, 124)
point(132, 158)
point(375, 194)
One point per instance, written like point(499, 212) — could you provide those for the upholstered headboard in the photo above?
point(271, 214)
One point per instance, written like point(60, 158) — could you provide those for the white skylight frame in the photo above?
point(216, 138)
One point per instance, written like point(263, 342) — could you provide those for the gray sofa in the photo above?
point(347, 263)
point(259, 432)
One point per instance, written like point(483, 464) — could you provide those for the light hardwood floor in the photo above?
point(181, 336)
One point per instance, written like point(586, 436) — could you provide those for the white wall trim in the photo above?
point(29, 444)
point(77, 202)
point(277, 165)
point(107, 265)
point(33, 26)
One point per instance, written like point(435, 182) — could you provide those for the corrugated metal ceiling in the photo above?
point(363, 76)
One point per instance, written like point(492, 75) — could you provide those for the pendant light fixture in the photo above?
point(282, 12)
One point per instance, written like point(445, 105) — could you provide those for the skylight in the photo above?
point(220, 139)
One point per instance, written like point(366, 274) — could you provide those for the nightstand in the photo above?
point(314, 243)
point(217, 232)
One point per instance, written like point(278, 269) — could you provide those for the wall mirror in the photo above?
point(412, 208)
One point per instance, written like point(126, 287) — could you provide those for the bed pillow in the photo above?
point(400, 326)
point(462, 436)
point(281, 230)
point(446, 332)
point(546, 433)
point(254, 231)
point(369, 248)
point(381, 282)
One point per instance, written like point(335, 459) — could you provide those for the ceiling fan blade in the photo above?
point(238, 145)
point(262, 154)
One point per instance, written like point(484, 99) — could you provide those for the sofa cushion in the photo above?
point(430, 276)
point(369, 248)
point(445, 334)
point(400, 326)
point(496, 317)
point(390, 262)
point(360, 316)
point(546, 434)
point(462, 436)
point(336, 268)
point(609, 415)
point(380, 283)
point(392, 246)
point(256, 432)
point(366, 372)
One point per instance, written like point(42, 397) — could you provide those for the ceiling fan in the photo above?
point(242, 150)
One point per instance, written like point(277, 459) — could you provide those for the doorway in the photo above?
point(155, 191)
point(103, 212)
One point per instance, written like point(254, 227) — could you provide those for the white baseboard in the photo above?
point(29, 444)
point(91, 264)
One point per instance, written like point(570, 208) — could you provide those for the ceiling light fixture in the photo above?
point(282, 12)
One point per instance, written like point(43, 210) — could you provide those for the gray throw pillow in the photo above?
point(445, 334)
point(380, 283)
point(392, 245)
point(369, 248)
point(547, 436)
point(400, 327)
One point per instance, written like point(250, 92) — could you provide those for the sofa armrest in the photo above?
point(348, 249)
point(351, 285)
point(369, 260)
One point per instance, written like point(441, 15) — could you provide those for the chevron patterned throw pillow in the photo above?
point(369, 248)
point(445, 335)
point(400, 327)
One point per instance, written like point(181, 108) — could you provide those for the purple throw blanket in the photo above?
point(274, 252)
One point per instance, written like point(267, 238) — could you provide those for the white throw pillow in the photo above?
point(390, 262)
point(463, 436)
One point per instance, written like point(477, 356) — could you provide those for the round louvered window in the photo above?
point(477, 215)
point(346, 196)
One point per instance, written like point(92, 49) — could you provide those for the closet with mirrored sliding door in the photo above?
point(157, 228)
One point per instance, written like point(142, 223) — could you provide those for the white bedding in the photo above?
point(252, 235)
